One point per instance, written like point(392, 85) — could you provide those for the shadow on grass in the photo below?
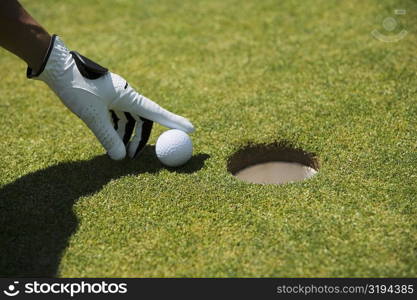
point(36, 217)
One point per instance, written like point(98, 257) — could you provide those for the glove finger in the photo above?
point(143, 132)
point(137, 104)
point(98, 120)
point(124, 124)
point(119, 122)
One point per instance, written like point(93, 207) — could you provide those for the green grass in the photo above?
point(242, 71)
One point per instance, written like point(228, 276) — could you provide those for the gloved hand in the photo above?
point(107, 104)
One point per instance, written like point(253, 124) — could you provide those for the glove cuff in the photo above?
point(54, 63)
point(29, 71)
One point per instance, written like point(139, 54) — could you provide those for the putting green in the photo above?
point(310, 73)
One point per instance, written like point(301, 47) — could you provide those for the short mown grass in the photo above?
point(307, 72)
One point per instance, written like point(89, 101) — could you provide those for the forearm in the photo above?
point(21, 34)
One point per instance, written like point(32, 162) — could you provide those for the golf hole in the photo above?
point(275, 163)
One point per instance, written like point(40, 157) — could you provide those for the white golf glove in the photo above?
point(107, 104)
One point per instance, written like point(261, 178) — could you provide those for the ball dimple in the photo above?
point(174, 148)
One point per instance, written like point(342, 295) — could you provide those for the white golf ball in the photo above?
point(174, 148)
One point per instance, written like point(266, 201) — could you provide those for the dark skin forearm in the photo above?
point(22, 35)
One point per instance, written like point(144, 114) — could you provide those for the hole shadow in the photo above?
point(36, 217)
point(253, 154)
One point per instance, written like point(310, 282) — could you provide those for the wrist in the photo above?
point(43, 40)
point(38, 63)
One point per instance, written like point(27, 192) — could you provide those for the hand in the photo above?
point(107, 104)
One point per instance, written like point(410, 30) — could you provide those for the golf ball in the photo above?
point(174, 148)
